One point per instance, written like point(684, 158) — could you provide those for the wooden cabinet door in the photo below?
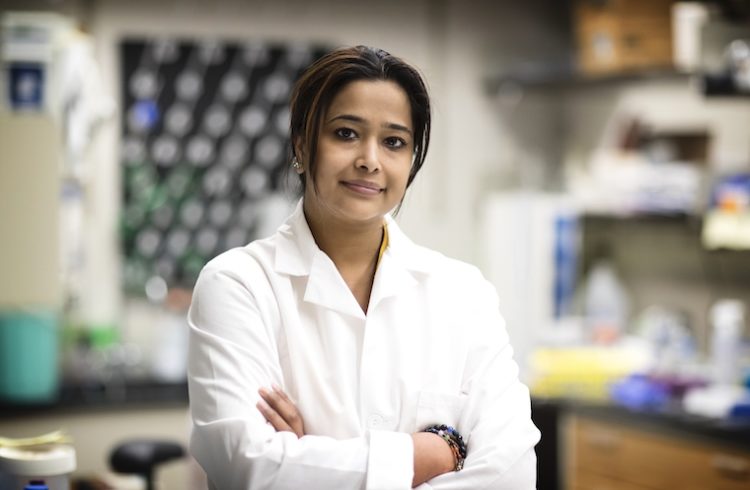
point(589, 481)
point(605, 456)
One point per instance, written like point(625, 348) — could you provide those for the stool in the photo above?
point(142, 456)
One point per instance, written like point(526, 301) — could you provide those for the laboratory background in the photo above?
point(591, 157)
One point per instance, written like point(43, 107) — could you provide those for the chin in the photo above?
point(362, 213)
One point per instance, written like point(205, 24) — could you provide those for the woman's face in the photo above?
point(365, 149)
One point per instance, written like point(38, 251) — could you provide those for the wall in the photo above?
point(29, 215)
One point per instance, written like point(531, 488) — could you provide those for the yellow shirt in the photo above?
point(383, 244)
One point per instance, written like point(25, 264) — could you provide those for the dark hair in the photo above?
point(324, 79)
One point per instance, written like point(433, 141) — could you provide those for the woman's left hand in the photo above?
point(280, 411)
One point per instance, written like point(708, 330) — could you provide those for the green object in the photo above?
point(28, 356)
point(103, 336)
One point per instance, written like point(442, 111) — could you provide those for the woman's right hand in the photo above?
point(432, 457)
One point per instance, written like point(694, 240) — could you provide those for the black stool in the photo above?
point(142, 456)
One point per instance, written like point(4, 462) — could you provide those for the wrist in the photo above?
point(454, 441)
point(432, 457)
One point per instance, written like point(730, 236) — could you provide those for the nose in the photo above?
point(368, 159)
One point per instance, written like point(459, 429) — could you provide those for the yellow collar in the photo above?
point(383, 244)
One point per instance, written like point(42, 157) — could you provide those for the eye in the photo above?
point(395, 142)
point(345, 133)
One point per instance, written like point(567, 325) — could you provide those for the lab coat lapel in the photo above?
point(297, 254)
point(400, 267)
point(390, 279)
point(326, 287)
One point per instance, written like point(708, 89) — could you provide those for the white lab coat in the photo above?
point(432, 349)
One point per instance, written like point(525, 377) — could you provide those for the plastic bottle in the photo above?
point(606, 302)
point(728, 323)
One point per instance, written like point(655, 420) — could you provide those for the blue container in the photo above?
point(29, 370)
point(36, 485)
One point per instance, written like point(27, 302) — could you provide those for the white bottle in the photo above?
point(606, 301)
point(728, 323)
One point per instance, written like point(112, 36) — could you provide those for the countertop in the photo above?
point(670, 421)
point(97, 397)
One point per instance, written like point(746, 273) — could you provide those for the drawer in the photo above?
point(604, 450)
point(626, 455)
point(714, 468)
point(590, 481)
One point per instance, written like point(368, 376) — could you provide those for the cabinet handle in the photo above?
point(731, 467)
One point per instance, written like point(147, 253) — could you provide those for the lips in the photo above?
point(363, 187)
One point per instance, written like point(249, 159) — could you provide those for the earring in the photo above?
point(296, 165)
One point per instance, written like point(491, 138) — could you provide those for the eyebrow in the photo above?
point(357, 119)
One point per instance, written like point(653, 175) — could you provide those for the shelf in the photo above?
point(655, 218)
point(542, 80)
point(710, 85)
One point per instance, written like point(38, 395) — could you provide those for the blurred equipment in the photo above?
point(31, 49)
point(672, 343)
point(142, 457)
point(727, 222)
point(52, 105)
point(734, 77)
point(606, 303)
point(585, 372)
point(28, 356)
point(645, 170)
point(688, 19)
point(725, 49)
point(728, 325)
point(531, 253)
point(45, 460)
point(205, 151)
point(725, 393)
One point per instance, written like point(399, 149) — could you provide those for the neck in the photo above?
point(347, 245)
point(353, 248)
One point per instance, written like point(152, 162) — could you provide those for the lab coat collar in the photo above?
point(297, 254)
point(296, 246)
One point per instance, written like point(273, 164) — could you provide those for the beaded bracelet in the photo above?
point(454, 440)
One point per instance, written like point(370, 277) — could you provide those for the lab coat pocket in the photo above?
point(436, 408)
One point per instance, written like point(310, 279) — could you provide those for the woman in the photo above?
point(337, 354)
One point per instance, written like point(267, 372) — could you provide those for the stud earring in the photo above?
point(296, 165)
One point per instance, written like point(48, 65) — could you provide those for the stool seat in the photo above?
point(141, 456)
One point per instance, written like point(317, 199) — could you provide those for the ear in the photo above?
point(300, 151)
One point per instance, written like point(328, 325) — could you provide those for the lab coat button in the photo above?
point(374, 420)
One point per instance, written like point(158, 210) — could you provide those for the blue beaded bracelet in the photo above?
point(454, 440)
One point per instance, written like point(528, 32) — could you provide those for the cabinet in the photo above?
point(603, 455)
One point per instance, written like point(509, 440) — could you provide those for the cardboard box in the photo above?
point(617, 36)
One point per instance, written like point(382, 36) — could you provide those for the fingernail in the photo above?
point(276, 387)
point(263, 391)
